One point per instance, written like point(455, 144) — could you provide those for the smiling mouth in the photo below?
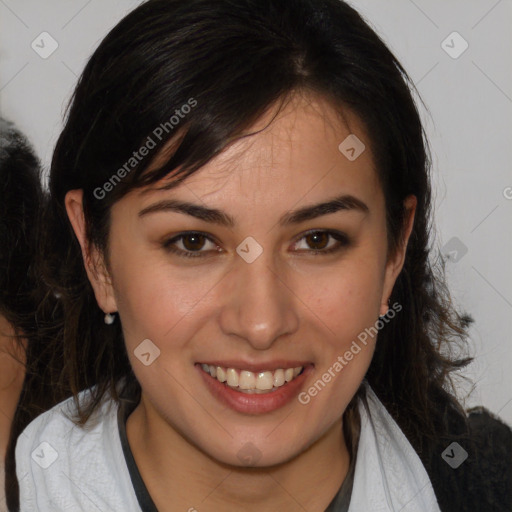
point(249, 382)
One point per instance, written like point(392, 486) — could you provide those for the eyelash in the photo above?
point(341, 238)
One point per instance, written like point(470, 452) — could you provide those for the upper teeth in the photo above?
point(246, 380)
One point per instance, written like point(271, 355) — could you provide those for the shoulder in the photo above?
point(56, 429)
point(63, 466)
point(473, 470)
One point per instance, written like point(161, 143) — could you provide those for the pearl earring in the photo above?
point(387, 310)
point(109, 318)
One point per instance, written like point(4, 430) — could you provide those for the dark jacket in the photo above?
point(483, 481)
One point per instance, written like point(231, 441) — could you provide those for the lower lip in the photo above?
point(255, 403)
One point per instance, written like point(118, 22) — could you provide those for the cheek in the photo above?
point(348, 307)
point(155, 300)
point(350, 297)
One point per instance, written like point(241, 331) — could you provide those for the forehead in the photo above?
point(307, 150)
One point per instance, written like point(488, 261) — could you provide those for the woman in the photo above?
point(28, 369)
point(20, 193)
point(238, 233)
point(20, 198)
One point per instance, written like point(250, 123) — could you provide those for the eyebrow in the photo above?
point(215, 216)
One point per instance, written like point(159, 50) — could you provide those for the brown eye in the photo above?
point(321, 242)
point(317, 240)
point(192, 244)
point(193, 241)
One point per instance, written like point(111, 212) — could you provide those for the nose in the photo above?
point(258, 306)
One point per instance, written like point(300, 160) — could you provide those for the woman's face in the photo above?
point(272, 282)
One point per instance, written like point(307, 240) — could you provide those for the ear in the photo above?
point(396, 262)
point(94, 263)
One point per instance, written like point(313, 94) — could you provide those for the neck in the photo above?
point(11, 380)
point(193, 480)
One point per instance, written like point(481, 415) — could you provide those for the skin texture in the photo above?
point(289, 304)
point(11, 379)
point(12, 373)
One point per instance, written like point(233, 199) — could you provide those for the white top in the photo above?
point(389, 475)
point(64, 468)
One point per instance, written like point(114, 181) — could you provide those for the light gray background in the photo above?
point(469, 127)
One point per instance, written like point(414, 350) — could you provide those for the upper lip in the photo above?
point(255, 367)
